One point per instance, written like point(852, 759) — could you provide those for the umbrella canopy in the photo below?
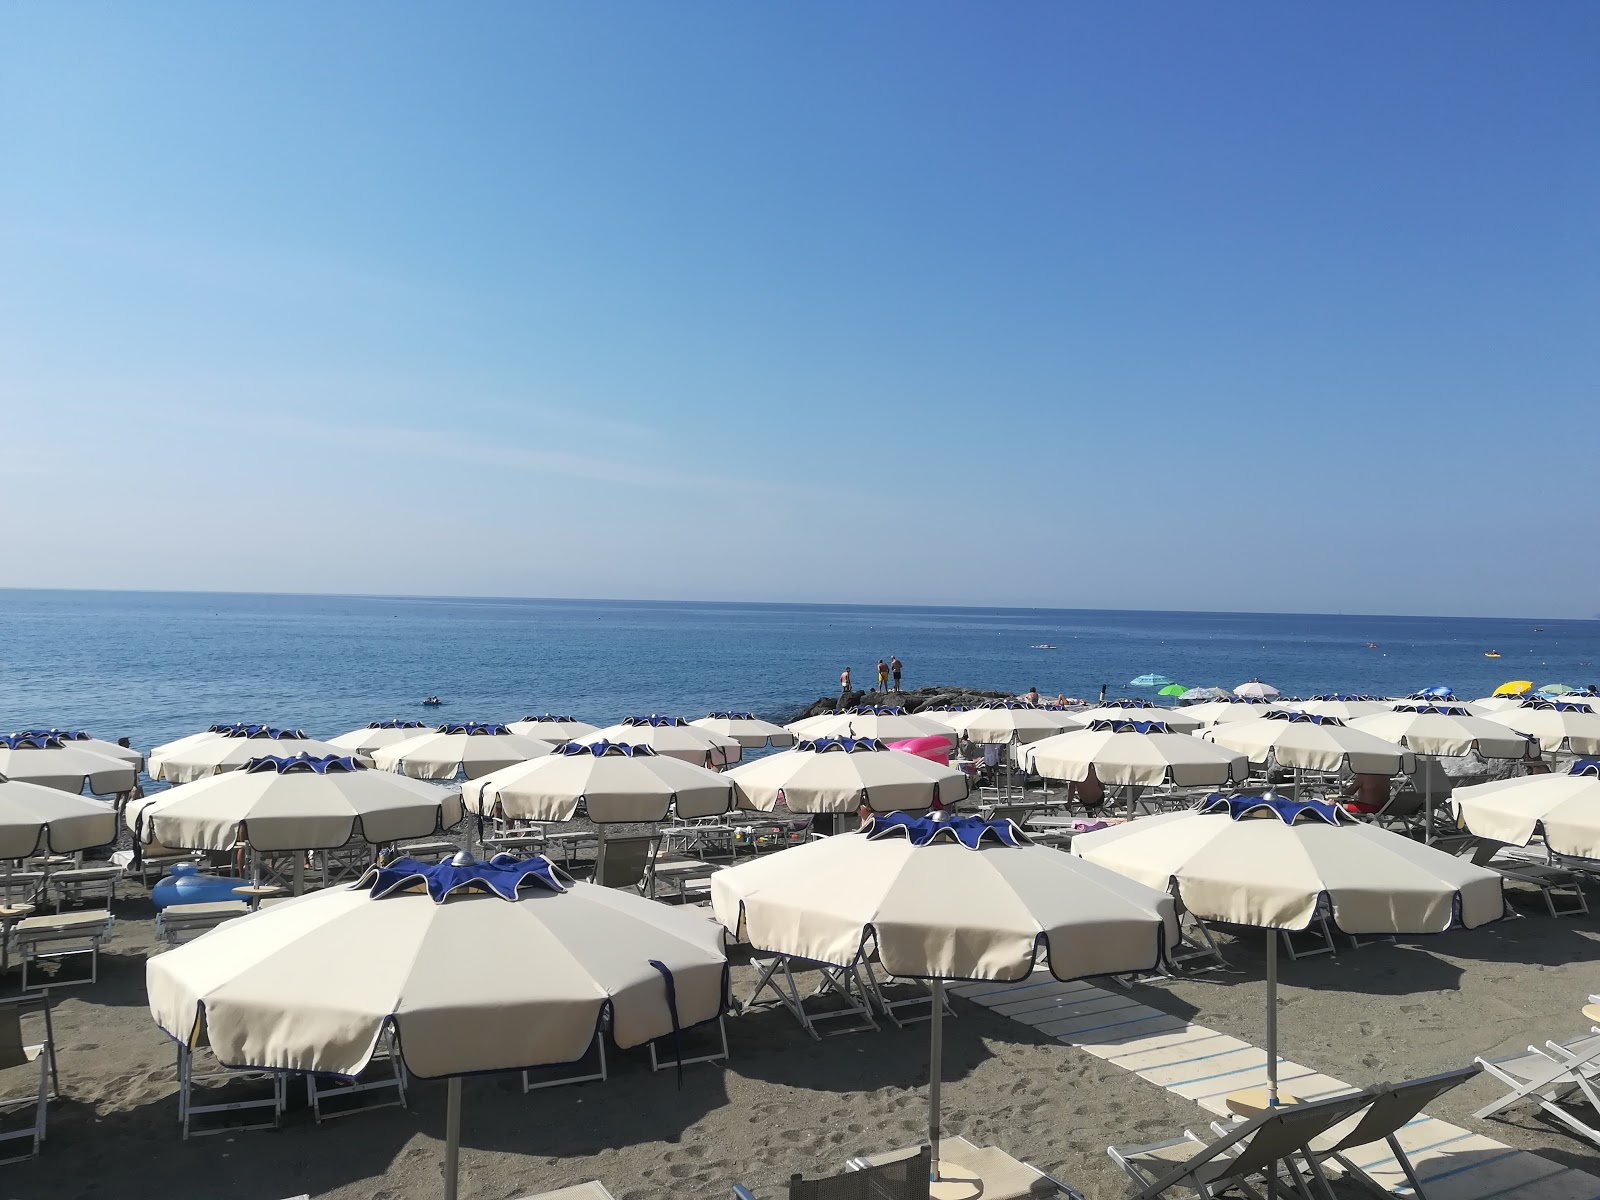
point(749, 730)
point(1556, 689)
point(674, 737)
point(1345, 707)
point(553, 727)
point(1485, 705)
point(1564, 808)
point(229, 747)
point(1009, 722)
point(1274, 863)
point(50, 762)
point(1312, 742)
point(1196, 694)
point(34, 817)
point(80, 740)
point(450, 750)
point(293, 803)
point(1149, 681)
point(311, 984)
point(1173, 689)
point(881, 721)
point(1447, 729)
point(965, 899)
point(378, 734)
point(1256, 690)
point(1222, 712)
point(838, 775)
point(1178, 720)
point(1574, 728)
point(1514, 687)
point(615, 782)
point(1138, 753)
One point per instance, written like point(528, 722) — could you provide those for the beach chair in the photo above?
point(627, 862)
point(1554, 884)
point(179, 923)
point(81, 885)
point(54, 939)
point(17, 1056)
point(198, 1065)
point(384, 1072)
point(1559, 1078)
point(533, 1080)
point(842, 983)
point(21, 886)
point(985, 1171)
point(901, 1009)
point(1260, 1149)
point(593, 1190)
point(897, 1179)
point(345, 864)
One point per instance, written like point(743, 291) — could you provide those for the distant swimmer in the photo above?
point(1372, 645)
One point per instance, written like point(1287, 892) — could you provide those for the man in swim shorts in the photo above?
point(883, 676)
point(894, 669)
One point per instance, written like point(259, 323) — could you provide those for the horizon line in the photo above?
point(775, 603)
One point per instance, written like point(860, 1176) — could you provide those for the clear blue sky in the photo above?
point(1254, 305)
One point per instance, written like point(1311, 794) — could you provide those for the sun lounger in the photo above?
point(179, 923)
point(209, 1072)
point(1274, 1142)
point(1553, 883)
point(384, 1072)
point(898, 1178)
point(21, 887)
point(80, 884)
point(153, 863)
point(627, 862)
point(593, 1190)
point(1559, 1078)
point(18, 1055)
point(60, 937)
point(430, 851)
point(845, 984)
point(989, 1170)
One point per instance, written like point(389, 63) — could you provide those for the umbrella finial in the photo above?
point(461, 859)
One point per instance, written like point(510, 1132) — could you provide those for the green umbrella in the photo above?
point(1172, 689)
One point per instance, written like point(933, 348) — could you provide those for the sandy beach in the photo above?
point(785, 1104)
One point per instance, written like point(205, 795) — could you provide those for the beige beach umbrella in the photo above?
point(78, 740)
point(225, 748)
point(674, 737)
point(1484, 705)
point(839, 775)
point(375, 735)
point(467, 749)
point(1135, 754)
point(1564, 808)
point(48, 761)
point(1346, 708)
point(36, 818)
point(1311, 742)
point(311, 984)
point(553, 728)
point(963, 899)
point(615, 783)
point(885, 722)
point(1559, 725)
point(749, 730)
point(1256, 690)
point(1227, 712)
point(1272, 863)
point(1177, 720)
point(294, 802)
point(1010, 723)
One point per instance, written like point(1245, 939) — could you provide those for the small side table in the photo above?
point(1252, 1102)
point(1590, 1011)
point(10, 914)
point(254, 893)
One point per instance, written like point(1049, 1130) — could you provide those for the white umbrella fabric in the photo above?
point(1009, 723)
point(1565, 808)
point(749, 730)
point(1559, 726)
point(672, 736)
point(35, 817)
point(962, 899)
point(1256, 690)
point(1196, 694)
point(1484, 705)
point(78, 740)
point(469, 749)
point(1135, 754)
point(1226, 712)
point(1311, 742)
point(838, 775)
point(312, 983)
point(296, 802)
point(885, 722)
point(1273, 863)
point(375, 736)
point(48, 761)
point(615, 782)
point(229, 747)
point(554, 728)
point(1177, 720)
point(1346, 708)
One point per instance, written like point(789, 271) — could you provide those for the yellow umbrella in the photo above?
point(1514, 687)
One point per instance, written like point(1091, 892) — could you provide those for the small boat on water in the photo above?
point(1491, 654)
point(1042, 646)
point(432, 702)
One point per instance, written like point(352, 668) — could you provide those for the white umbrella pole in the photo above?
point(299, 872)
point(1272, 1018)
point(1427, 804)
point(935, 1071)
point(1297, 784)
point(452, 1137)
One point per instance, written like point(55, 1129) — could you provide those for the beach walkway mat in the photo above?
point(1205, 1066)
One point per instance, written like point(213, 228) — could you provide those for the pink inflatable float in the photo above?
point(934, 749)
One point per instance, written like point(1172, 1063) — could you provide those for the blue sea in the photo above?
point(154, 666)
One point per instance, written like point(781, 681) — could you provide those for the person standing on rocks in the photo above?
point(883, 676)
point(844, 683)
point(894, 669)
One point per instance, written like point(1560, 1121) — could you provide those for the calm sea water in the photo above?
point(153, 666)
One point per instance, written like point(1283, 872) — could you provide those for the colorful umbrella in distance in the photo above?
point(1149, 681)
point(1514, 687)
point(1172, 689)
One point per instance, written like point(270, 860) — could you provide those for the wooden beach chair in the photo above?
point(1256, 1151)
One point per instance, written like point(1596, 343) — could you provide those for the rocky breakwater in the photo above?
point(939, 696)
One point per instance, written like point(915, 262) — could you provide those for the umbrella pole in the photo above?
point(1272, 1018)
point(299, 872)
point(1427, 804)
point(1297, 784)
point(452, 1137)
point(935, 1071)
